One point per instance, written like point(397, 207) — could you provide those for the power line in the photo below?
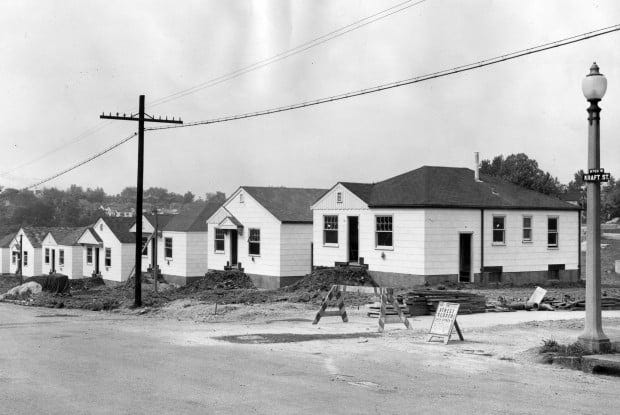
point(75, 166)
point(409, 81)
point(294, 51)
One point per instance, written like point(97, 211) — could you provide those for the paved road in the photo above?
point(60, 362)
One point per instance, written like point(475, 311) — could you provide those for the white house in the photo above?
point(438, 224)
point(62, 253)
point(5, 253)
point(109, 249)
point(31, 238)
point(148, 227)
point(266, 231)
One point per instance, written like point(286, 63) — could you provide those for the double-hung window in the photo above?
point(168, 248)
point(108, 257)
point(145, 246)
point(552, 231)
point(254, 242)
point(383, 231)
point(25, 257)
point(61, 257)
point(47, 255)
point(89, 255)
point(527, 229)
point(219, 240)
point(330, 229)
point(499, 230)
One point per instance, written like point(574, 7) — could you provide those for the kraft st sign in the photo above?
point(596, 176)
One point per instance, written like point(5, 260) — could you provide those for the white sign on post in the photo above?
point(444, 322)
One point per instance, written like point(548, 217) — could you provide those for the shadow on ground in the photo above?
point(266, 338)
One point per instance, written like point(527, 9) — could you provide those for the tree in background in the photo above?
point(217, 197)
point(524, 171)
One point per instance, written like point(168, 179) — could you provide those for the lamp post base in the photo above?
point(595, 343)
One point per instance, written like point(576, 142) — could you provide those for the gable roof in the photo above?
point(287, 204)
point(193, 219)
point(36, 234)
point(120, 228)
point(452, 187)
point(91, 231)
point(67, 236)
point(5, 241)
point(162, 219)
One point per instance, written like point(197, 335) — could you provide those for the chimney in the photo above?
point(477, 168)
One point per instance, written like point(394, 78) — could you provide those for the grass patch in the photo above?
point(575, 349)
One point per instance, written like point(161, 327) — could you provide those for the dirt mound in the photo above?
point(322, 279)
point(219, 280)
point(85, 283)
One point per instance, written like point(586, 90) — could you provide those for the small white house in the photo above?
point(5, 253)
point(438, 224)
point(109, 249)
point(31, 238)
point(62, 253)
point(266, 232)
point(148, 227)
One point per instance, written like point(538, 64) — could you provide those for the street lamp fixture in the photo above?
point(594, 86)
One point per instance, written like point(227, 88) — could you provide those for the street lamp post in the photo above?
point(593, 338)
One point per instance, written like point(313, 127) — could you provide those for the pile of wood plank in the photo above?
point(422, 302)
point(375, 310)
point(607, 303)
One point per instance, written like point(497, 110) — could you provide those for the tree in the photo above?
point(188, 197)
point(520, 169)
point(217, 197)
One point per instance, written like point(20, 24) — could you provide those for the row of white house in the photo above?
point(432, 224)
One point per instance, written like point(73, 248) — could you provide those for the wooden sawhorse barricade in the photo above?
point(386, 295)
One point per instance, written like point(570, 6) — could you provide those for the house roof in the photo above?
point(36, 234)
point(162, 219)
point(5, 241)
point(67, 236)
point(120, 228)
point(193, 219)
point(452, 187)
point(285, 203)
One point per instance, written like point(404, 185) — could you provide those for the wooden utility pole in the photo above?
point(21, 259)
point(154, 251)
point(141, 117)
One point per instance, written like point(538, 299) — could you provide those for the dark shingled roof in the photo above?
point(452, 187)
point(6, 240)
point(162, 219)
point(120, 228)
point(285, 203)
point(193, 219)
point(36, 234)
point(67, 236)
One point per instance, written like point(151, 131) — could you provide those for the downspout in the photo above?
point(481, 243)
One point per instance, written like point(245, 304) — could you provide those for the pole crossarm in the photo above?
point(136, 117)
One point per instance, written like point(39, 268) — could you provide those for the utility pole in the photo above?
point(141, 117)
point(154, 251)
point(21, 259)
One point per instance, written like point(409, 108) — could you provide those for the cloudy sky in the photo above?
point(64, 62)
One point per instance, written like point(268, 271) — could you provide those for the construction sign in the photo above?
point(444, 322)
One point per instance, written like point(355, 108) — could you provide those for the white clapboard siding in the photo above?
point(196, 254)
point(295, 245)
point(5, 260)
point(34, 257)
point(216, 260)
point(330, 200)
point(123, 255)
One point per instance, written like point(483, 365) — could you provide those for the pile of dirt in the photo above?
point(9, 281)
point(222, 280)
point(54, 283)
point(85, 283)
point(322, 279)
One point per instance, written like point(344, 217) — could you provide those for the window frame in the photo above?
point(61, 257)
point(166, 248)
point(89, 253)
point(391, 232)
point(222, 240)
point(47, 255)
point(524, 228)
point(333, 230)
point(556, 232)
point(253, 242)
point(145, 243)
point(108, 257)
point(503, 230)
point(339, 197)
point(25, 260)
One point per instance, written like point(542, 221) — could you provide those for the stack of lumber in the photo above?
point(470, 303)
point(375, 310)
point(607, 303)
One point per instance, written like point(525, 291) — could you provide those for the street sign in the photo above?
point(444, 322)
point(596, 176)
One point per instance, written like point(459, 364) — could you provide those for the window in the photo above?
point(330, 229)
point(47, 255)
point(527, 229)
point(219, 240)
point(108, 257)
point(168, 247)
point(553, 272)
point(552, 232)
point(101, 226)
point(25, 258)
point(89, 255)
point(241, 198)
point(145, 245)
point(14, 257)
point(499, 232)
point(61, 257)
point(339, 197)
point(383, 231)
point(254, 242)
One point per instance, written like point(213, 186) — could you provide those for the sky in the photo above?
point(65, 62)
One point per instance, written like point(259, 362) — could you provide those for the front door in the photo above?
point(97, 261)
point(53, 268)
point(353, 238)
point(465, 257)
point(233, 248)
